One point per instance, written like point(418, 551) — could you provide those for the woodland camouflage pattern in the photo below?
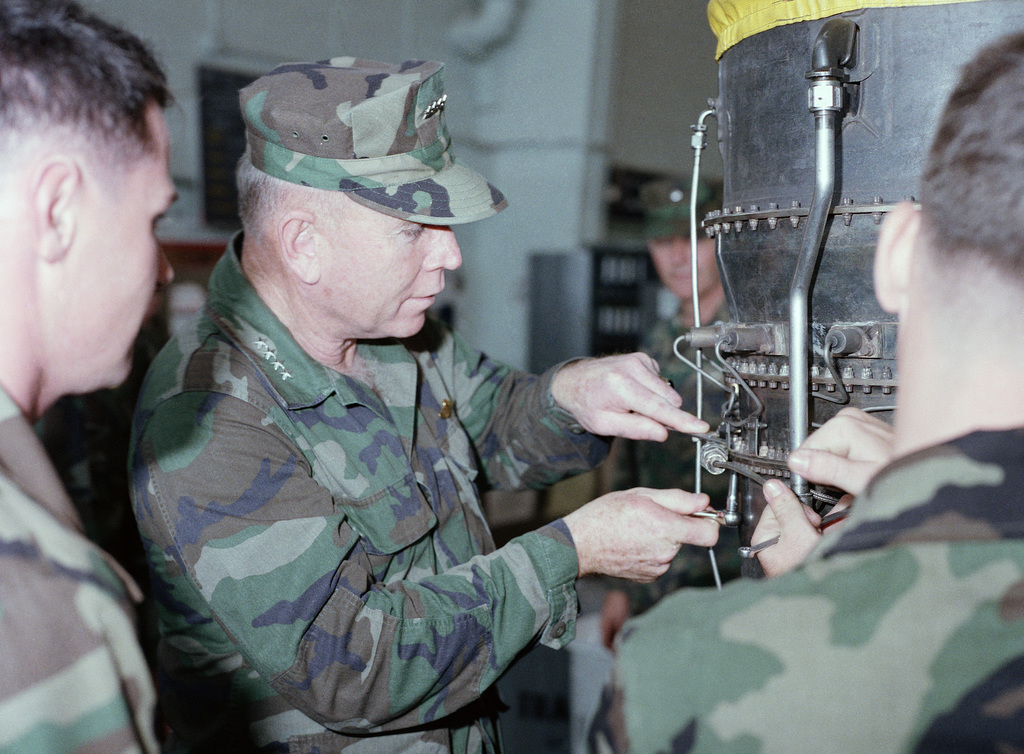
point(374, 130)
point(320, 559)
point(904, 631)
point(72, 675)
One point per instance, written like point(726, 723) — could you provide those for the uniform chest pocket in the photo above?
point(391, 519)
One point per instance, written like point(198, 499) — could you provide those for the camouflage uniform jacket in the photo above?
point(320, 560)
point(72, 675)
point(902, 632)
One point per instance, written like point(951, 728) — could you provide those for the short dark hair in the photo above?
point(63, 66)
point(972, 193)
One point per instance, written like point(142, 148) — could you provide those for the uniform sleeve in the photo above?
point(522, 437)
point(72, 676)
point(238, 529)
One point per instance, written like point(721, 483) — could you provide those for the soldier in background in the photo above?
point(84, 164)
point(903, 629)
point(309, 456)
point(670, 464)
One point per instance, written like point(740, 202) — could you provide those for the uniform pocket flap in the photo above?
point(391, 519)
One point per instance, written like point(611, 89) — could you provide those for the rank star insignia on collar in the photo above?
point(435, 107)
point(270, 355)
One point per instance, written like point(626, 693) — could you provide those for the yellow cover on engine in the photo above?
point(735, 20)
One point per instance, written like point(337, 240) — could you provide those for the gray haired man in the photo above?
point(309, 458)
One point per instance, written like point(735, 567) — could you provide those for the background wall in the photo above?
point(544, 95)
point(664, 73)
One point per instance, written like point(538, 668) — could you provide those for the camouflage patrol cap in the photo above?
point(373, 130)
point(667, 206)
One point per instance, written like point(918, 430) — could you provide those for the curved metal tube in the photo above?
point(800, 290)
point(698, 142)
point(832, 51)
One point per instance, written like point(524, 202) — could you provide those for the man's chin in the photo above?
point(410, 326)
point(114, 376)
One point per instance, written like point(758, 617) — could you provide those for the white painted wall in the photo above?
point(664, 75)
point(533, 113)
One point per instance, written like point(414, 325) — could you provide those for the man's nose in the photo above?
point(444, 251)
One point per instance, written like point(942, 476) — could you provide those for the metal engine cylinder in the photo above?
point(888, 89)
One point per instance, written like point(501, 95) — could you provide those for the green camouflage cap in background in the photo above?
point(374, 130)
point(667, 206)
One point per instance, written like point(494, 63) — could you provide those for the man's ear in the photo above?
point(297, 238)
point(57, 197)
point(894, 256)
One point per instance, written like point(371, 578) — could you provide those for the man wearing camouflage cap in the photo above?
point(902, 629)
point(309, 457)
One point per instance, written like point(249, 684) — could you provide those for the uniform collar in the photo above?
point(24, 461)
point(300, 381)
point(968, 489)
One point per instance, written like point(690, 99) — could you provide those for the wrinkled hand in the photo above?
point(634, 534)
point(622, 396)
point(846, 452)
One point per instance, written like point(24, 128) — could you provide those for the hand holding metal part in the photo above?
point(787, 531)
point(635, 534)
point(752, 550)
point(844, 453)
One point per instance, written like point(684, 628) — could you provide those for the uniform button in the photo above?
point(557, 630)
point(576, 429)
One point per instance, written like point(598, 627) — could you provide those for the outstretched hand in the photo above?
point(634, 534)
point(622, 396)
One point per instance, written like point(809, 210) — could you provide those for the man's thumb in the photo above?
point(784, 504)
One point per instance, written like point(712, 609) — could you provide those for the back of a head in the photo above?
point(63, 67)
point(973, 186)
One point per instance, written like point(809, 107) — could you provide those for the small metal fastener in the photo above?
point(446, 409)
